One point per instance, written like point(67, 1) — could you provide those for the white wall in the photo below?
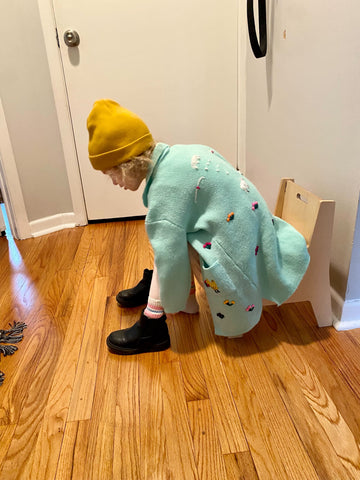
point(303, 112)
point(27, 98)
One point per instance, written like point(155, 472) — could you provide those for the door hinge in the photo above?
point(57, 37)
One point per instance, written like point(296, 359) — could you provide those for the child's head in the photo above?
point(131, 173)
point(120, 144)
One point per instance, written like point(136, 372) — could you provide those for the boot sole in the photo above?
point(133, 351)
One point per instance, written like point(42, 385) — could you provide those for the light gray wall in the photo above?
point(353, 290)
point(25, 90)
point(303, 112)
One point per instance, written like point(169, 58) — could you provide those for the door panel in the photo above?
point(172, 63)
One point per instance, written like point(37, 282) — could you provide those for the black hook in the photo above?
point(259, 48)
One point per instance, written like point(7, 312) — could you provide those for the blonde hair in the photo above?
point(136, 167)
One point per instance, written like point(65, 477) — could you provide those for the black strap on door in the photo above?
point(259, 49)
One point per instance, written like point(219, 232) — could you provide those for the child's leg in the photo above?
point(154, 309)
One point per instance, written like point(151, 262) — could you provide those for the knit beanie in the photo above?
point(115, 135)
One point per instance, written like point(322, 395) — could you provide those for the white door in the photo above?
point(172, 63)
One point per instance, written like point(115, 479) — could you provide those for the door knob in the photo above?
point(71, 38)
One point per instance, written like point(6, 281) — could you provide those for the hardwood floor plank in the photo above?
point(179, 445)
point(70, 289)
point(313, 437)
point(144, 250)
point(226, 416)
point(340, 392)
point(355, 334)
point(188, 348)
point(19, 286)
point(342, 348)
point(301, 362)
point(284, 435)
point(82, 396)
point(31, 411)
point(208, 456)
point(15, 251)
point(115, 265)
point(126, 463)
point(100, 449)
point(153, 438)
point(48, 447)
point(256, 424)
point(72, 460)
point(6, 435)
point(41, 335)
point(101, 246)
point(240, 466)
point(133, 271)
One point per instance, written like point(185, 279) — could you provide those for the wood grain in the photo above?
point(210, 463)
point(283, 402)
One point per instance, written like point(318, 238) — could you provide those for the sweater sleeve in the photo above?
point(169, 243)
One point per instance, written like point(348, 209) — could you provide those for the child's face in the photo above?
point(128, 182)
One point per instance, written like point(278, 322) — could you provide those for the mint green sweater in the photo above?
point(195, 196)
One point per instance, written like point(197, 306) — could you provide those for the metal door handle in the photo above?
point(71, 38)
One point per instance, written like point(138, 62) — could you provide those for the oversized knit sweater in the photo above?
point(195, 196)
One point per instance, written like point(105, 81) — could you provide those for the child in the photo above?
point(194, 196)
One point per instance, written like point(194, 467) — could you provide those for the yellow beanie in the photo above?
point(115, 135)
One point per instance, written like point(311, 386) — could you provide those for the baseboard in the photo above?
point(350, 317)
point(47, 225)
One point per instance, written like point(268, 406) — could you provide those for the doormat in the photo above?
point(8, 337)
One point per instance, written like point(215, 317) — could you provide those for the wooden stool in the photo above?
point(313, 218)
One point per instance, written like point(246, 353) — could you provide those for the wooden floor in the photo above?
point(280, 403)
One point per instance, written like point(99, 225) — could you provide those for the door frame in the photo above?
point(10, 184)
point(48, 23)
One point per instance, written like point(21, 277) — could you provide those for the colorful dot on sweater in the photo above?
point(230, 303)
point(250, 308)
point(207, 245)
point(195, 162)
point(255, 205)
point(244, 186)
point(212, 284)
point(230, 217)
point(257, 249)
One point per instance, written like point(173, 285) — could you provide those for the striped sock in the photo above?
point(154, 309)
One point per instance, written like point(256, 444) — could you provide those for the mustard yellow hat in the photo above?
point(115, 135)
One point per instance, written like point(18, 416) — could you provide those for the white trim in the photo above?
point(10, 184)
point(350, 317)
point(337, 304)
point(47, 225)
point(48, 24)
point(242, 39)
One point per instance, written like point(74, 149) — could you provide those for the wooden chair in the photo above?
point(313, 218)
